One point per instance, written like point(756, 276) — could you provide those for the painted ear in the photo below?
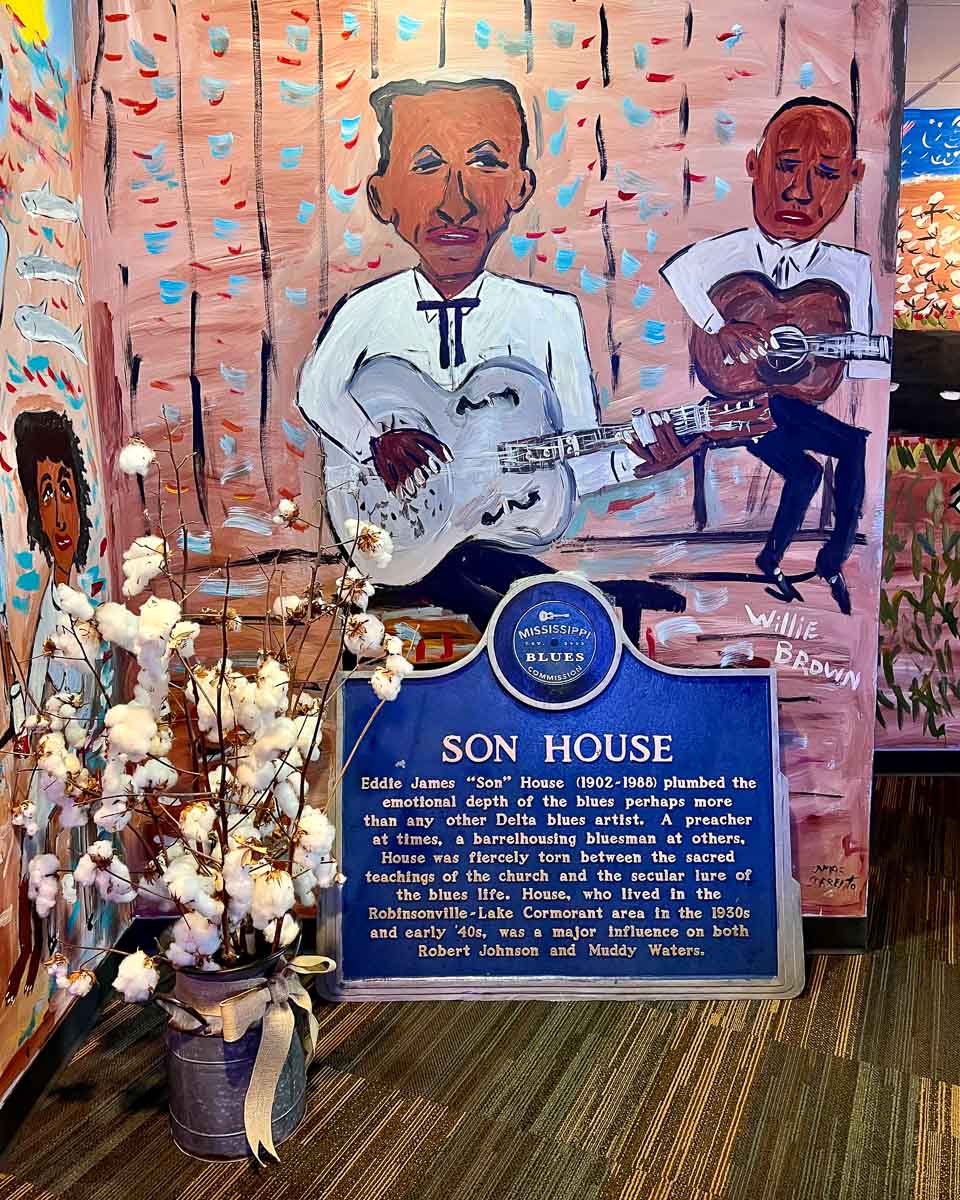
point(858, 169)
point(528, 185)
point(752, 164)
point(375, 199)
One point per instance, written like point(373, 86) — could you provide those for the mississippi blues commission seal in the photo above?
point(554, 641)
point(554, 644)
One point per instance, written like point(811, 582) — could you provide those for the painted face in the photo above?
point(803, 173)
point(454, 179)
point(59, 513)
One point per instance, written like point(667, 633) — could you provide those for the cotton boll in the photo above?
point(304, 884)
point(142, 562)
point(385, 684)
point(136, 458)
point(183, 636)
point(238, 882)
point(273, 895)
point(289, 608)
point(289, 931)
point(398, 665)
point(43, 887)
point(326, 874)
point(393, 644)
point(114, 884)
point(137, 977)
point(275, 740)
point(287, 512)
point(368, 543)
point(154, 773)
point(193, 890)
point(158, 618)
point(24, 816)
point(354, 589)
point(197, 822)
point(315, 832)
point(117, 624)
point(286, 792)
point(195, 939)
point(80, 983)
point(71, 816)
point(75, 604)
point(68, 887)
point(113, 815)
point(131, 728)
point(309, 728)
point(57, 967)
point(364, 634)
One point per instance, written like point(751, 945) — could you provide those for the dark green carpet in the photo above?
point(850, 1093)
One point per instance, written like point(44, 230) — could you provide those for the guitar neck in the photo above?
point(851, 347)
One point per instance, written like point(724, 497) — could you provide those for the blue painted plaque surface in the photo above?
point(557, 807)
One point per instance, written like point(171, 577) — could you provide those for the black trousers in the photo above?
point(802, 427)
point(475, 577)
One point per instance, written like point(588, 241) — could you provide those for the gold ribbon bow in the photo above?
point(271, 1003)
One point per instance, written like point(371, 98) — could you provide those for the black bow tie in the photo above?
point(443, 309)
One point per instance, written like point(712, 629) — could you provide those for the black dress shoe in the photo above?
point(780, 586)
point(838, 590)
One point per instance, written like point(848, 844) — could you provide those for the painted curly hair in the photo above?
point(49, 434)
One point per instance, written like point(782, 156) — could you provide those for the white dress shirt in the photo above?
point(514, 318)
point(692, 272)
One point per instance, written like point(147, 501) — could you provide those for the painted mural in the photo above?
point(51, 496)
point(928, 223)
point(918, 696)
point(538, 285)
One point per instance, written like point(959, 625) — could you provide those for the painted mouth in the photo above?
point(447, 235)
point(63, 542)
point(792, 217)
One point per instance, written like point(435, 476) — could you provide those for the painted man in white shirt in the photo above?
point(803, 169)
point(452, 173)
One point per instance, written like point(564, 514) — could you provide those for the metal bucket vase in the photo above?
point(208, 1077)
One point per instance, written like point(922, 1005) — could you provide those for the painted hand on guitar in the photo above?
point(745, 423)
point(406, 458)
point(665, 451)
point(742, 341)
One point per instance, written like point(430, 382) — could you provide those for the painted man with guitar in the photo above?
point(457, 407)
point(779, 317)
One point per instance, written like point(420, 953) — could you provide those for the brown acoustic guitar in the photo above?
point(810, 324)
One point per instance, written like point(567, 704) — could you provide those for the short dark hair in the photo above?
point(382, 102)
point(814, 102)
point(50, 434)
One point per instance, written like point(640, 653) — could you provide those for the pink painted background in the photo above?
point(225, 151)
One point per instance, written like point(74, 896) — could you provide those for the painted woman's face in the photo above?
point(59, 514)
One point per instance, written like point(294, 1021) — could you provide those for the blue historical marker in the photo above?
point(559, 816)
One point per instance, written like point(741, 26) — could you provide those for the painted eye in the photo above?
point(827, 172)
point(47, 494)
point(487, 160)
point(428, 164)
point(787, 164)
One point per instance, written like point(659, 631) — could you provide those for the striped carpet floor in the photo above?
point(851, 1092)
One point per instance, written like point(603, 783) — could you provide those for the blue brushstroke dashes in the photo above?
point(197, 543)
point(220, 144)
point(349, 128)
point(556, 100)
point(341, 202)
point(481, 34)
point(156, 240)
point(228, 445)
point(639, 55)
point(224, 228)
point(295, 436)
point(353, 243)
point(589, 282)
point(408, 27)
point(651, 240)
point(144, 57)
point(636, 114)
point(562, 32)
point(236, 284)
point(297, 296)
point(219, 36)
point(564, 258)
point(557, 139)
point(641, 296)
point(567, 191)
point(305, 212)
point(300, 95)
point(720, 188)
point(808, 75)
point(655, 332)
point(172, 291)
point(213, 89)
point(298, 37)
point(290, 157)
point(651, 377)
point(351, 24)
point(629, 265)
point(234, 376)
point(724, 126)
point(165, 88)
point(520, 245)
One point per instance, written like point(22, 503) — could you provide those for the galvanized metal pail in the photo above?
point(208, 1077)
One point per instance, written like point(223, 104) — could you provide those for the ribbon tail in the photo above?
point(300, 996)
point(278, 1026)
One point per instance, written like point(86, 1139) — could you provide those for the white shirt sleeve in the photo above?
point(691, 274)
point(322, 393)
point(865, 317)
point(576, 390)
